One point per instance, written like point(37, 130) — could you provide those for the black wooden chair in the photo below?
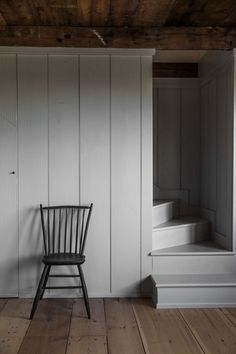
point(64, 235)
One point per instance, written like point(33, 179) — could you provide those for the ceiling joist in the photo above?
point(166, 38)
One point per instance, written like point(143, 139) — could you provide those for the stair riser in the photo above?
point(194, 297)
point(193, 264)
point(164, 213)
point(179, 236)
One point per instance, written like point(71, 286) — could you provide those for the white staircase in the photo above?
point(189, 269)
point(170, 230)
point(194, 290)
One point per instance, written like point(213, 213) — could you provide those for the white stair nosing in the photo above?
point(185, 224)
point(203, 248)
point(163, 204)
point(188, 283)
point(213, 253)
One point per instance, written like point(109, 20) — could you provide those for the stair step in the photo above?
point(195, 249)
point(194, 290)
point(180, 231)
point(163, 211)
point(192, 280)
point(180, 222)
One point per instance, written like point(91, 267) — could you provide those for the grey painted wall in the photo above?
point(176, 137)
point(193, 142)
point(84, 134)
point(216, 70)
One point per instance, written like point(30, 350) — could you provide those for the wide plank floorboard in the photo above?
point(122, 330)
point(2, 304)
point(117, 326)
point(49, 330)
point(87, 336)
point(87, 345)
point(14, 322)
point(213, 330)
point(164, 331)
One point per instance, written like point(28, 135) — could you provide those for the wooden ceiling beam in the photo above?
point(172, 38)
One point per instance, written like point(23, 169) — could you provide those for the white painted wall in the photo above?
point(216, 74)
point(85, 135)
point(217, 166)
point(176, 133)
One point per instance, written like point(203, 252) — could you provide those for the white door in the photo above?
point(8, 209)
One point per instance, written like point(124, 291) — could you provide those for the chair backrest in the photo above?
point(65, 228)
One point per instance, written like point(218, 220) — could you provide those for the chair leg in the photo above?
point(45, 281)
point(38, 293)
point(84, 289)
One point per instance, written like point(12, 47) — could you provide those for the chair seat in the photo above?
point(63, 259)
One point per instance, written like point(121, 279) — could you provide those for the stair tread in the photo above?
point(197, 248)
point(190, 280)
point(180, 222)
point(162, 202)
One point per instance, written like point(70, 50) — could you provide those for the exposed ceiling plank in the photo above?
point(122, 12)
point(200, 13)
point(2, 21)
point(204, 38)
point(46, 16)
point(16, 12)
point(151, 12)
point(84, 12)
point(100, 12)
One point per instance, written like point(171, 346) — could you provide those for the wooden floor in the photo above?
point(122, 326)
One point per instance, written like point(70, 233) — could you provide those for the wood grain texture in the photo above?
point(119, 13)
point(88, 336)
point(122, 330)
point(201, 13)
point(230, 314)
point(214, 332)
point(87, 345)
point(14, 322)
point(164, 331)
point(176, 38)
point(151, 12)
point(81, 326)
point(129, 326)
point(49, 330)
point(2, 304)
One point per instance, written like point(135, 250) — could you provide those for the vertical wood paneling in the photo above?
point(169, 138)
point(155, 136)
point(33, 164)
point(211, 155)
point(8, 185)
point(63, 138)
point(100, 152)
point(204, 153)
point(125, 173)
point(63, 130)
point(147, 173)
point(190, 143)
point(95, 167)
point(221, 210)
point(217, 151)
point(229, 153)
